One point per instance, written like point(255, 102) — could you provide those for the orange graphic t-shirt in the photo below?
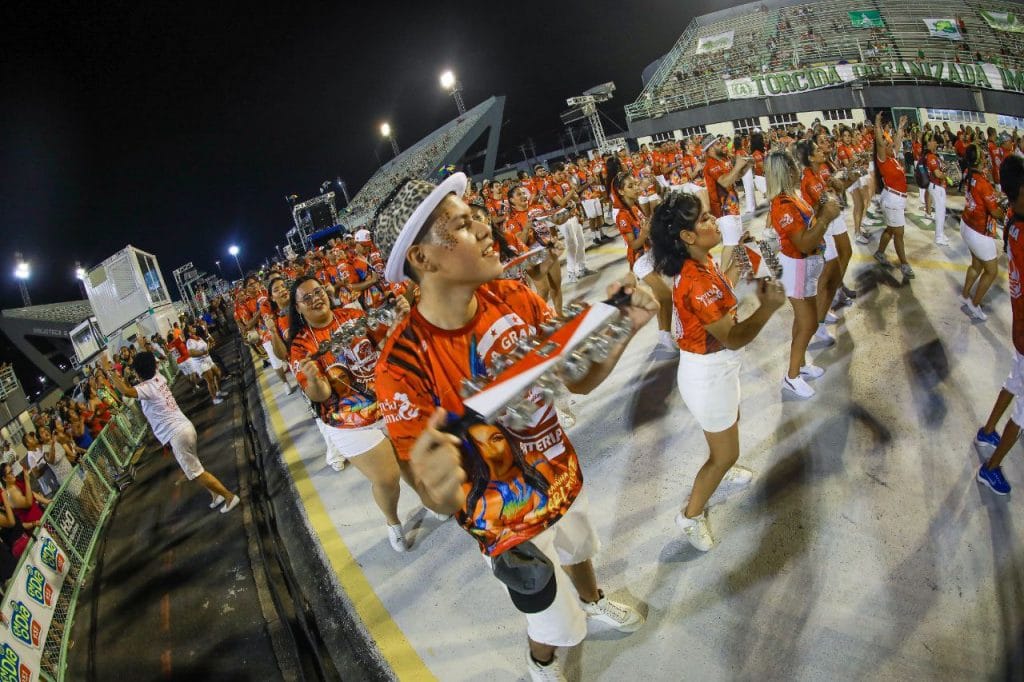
point(519, 482)
point(722, 201)
point(789, 215)
point(701, 296)
point(353, 403)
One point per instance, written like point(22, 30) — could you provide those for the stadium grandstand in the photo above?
point(778, 62)
point(430, 156)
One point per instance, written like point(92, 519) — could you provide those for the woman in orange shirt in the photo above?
point(801, 231)
point(342, 390)
point(635, 228)
point(892, 177)
point(709, 339)
point(978, 224)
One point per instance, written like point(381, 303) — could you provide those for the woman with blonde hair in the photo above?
point(801, 229)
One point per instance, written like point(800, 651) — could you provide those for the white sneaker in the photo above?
point(942, 240)
point(222, 394)
point(736, 478)
point(831, 318)
point(811, 371)
point(696, 530)
point(619, 616)
point(570, 278)
point(797, 387)
point(231, 505)
point(964, 301)
point(552, 672)
point(218, 401)
point(438, 517)
point(823, 336)
point(976, 312)
point(217, 501)
point(396, 538)
point(339, 464)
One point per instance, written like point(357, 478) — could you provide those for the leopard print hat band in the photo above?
point(400, 220)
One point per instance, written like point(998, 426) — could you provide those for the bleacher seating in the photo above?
point(780, 35)
point(422, 160)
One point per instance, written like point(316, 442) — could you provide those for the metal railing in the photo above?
point(39, 604)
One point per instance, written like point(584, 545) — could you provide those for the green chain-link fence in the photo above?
point(39, 605)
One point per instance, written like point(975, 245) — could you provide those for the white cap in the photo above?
point(363, 235)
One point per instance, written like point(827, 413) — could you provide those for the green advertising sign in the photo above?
point(867, 18)
point(796, 81)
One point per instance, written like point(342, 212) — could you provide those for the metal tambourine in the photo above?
point(951, 169)
point(344, 336)
point(536, 368)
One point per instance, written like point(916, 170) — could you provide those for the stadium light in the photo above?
point(22, 272)
point(80, 276)
point(219, 268)
point(452, 85)
point(233, 250)
point(385, 130)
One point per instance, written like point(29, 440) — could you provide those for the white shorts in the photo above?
point(838, 226)
point(592, 208)
point(275, 362)
point(185, 444)
point(188, 367)
point(202, 365)
point(572, 540)
point(731, 227)
point(1015, 384)
point(353, 442)
point(800, 275)
point(644, 265)
point(710, 387)
point(893, 206)
point(982, 246)
point(831, 253)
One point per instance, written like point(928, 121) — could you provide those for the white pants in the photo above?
point(575, 245)
point(748, 190)
point(938, 194)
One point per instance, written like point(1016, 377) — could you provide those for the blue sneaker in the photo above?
point(987, 439)
point(993, 478)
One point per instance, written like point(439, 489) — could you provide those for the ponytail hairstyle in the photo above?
point(612, 167)
point(679, 211)
point(803, 150)
point(296, 322)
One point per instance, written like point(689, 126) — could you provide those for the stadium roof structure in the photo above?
point(42, 334)
point(780, 56)
point(428, 158)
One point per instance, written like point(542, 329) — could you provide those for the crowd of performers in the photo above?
point(383, 329)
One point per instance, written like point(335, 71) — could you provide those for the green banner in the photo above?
point(988, 76)
point(1003, 21)
point(867, 18)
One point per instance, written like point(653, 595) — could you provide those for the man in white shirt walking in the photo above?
point(170, 425)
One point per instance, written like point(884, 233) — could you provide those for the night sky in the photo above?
point(180, 130)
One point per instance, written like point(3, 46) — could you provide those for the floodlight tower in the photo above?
point(454, 87)
point(22, 272)
point(585, 106)
point(385, 131)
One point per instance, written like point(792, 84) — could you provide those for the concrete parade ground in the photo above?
point(864, 549)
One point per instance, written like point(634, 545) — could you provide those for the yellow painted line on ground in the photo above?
point(391, 641)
